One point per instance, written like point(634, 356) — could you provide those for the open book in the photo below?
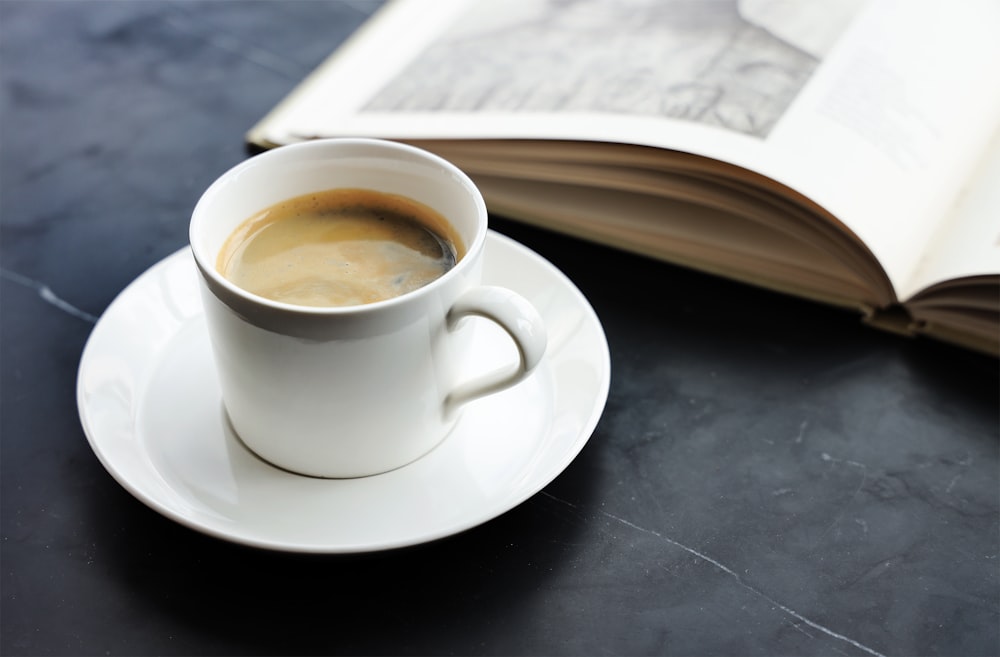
point(847, 151)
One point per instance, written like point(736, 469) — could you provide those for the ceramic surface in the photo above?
point(149, 402)
point(358, 390)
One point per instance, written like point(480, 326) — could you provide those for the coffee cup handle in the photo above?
point(515, 315)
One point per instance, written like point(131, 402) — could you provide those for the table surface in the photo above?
point(769, 477)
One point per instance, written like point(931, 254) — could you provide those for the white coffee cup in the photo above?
point(356, 390)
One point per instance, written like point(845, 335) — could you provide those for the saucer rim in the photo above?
point(490, 512)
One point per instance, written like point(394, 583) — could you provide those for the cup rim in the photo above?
point(205, 264)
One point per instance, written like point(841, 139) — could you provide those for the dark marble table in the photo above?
point(770, 477)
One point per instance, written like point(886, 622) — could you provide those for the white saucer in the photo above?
point(150, 406)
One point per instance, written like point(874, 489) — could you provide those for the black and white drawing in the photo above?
point(734, 64)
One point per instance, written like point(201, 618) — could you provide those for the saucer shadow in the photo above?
point(449, 593)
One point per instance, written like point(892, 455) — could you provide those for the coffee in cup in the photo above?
point(340, 247)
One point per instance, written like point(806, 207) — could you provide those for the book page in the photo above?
point(875, 109)
point(895, 125)
point(510, 68)
point(971, 244)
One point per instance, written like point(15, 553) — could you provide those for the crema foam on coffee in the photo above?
point(340, 247)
